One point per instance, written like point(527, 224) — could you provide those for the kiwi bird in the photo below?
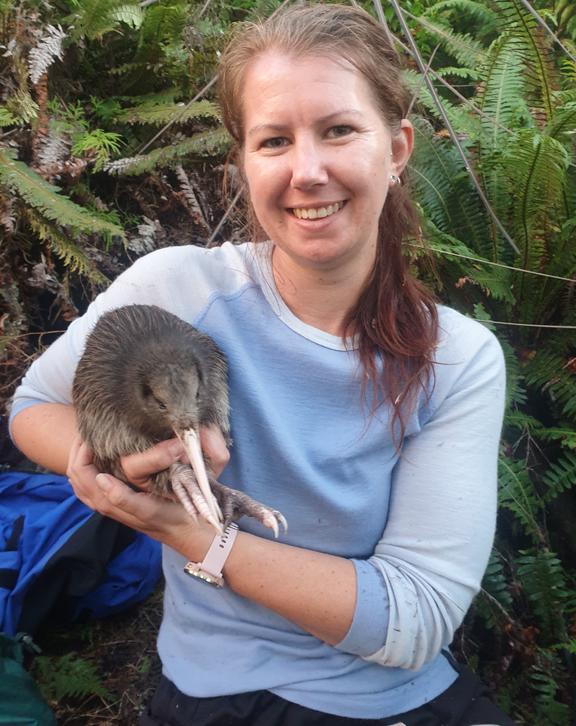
point(145, 376)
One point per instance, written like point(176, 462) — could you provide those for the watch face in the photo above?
point(194, 570)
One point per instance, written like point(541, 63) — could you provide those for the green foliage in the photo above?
point(519, 138)
point(22, 181)
point(68, 677)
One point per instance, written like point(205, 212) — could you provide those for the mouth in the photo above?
point(317, 212)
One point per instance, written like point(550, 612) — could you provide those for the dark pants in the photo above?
point(465, 703)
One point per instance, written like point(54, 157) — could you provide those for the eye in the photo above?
point(276, 142)
point(339, 131)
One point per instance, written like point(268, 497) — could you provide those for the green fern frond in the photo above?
point(68, 676)
point(207, 143)
point(566, 436)
point(67, 249)
point(132, 15)
point(162, 26)
point(547, 371)
point(47, 199)
point(517, 494)
point(535, 167)
point(22, 106)
point(460, 72)
point(483, 14)
point(560, 475)
point(464, 48)
point(8, 119)
point(534, 50)
point(94, 18)
point(443, 189)
point(501, 94)
point(459, 116)
point(544, 583)
point(544, 680)
point(563, 122)
point(158, 114)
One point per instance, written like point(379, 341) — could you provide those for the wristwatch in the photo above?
point(210, 569)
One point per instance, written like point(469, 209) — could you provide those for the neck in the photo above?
point(318, 296)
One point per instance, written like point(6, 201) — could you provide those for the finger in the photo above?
point(214, 448)
point(138, 510)
point(138, 468)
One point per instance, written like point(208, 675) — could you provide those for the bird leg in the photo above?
point(234, 504)
point(188, 491)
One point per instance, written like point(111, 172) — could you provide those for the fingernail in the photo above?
point(103, 482)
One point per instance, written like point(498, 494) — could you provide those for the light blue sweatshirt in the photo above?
point(418, 526)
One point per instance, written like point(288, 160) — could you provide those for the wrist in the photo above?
point(193, 541)
point(210, 569)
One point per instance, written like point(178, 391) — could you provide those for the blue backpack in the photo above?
point(61, 561)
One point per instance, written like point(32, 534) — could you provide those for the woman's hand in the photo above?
point(160, 518)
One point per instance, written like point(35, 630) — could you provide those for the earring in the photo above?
point(395, 179)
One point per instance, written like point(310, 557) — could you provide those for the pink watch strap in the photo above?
point(219, 550)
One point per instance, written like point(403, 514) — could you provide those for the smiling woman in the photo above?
point(391, 505)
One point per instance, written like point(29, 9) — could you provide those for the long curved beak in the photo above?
point(191, 442)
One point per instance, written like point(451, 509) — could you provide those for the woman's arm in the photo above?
point(314, 590)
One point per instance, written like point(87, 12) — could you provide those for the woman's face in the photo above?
point(318, 158)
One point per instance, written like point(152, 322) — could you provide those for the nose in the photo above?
point(309, 164)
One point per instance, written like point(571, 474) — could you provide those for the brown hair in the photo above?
point(395, 317)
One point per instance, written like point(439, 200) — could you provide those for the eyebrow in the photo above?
point(282, 127)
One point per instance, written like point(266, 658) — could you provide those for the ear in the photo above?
point(402, 145)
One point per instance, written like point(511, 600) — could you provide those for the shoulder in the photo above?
point(462, 338)
point(182, 279)
point(467, 355)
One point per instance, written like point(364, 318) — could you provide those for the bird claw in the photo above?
point(235, 504)
point(188, 492)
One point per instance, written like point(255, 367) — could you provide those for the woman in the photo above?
point(366, 414)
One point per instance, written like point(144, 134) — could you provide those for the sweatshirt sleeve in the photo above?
point(430, 561)
point(175, 278)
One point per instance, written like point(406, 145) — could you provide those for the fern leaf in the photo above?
point(159, 114)
point(544, 583)
point(47, 199)
point(132, 15)
point(46, 51)
point(67, 249)
point(560, 475)
point(517, 494)
point(206, 143)
point(68, 676)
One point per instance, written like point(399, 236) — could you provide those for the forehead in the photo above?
point(277, 83)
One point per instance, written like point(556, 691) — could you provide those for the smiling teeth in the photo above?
point(319, 212)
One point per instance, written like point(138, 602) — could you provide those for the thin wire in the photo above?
point(227, 213)
point(453, 136)
point(548, 29)
point(200, 93)
point(489, 262)
point(526, 325)
point(177, 116)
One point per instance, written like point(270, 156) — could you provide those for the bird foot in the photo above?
point(235, 504)
point(187, 490)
